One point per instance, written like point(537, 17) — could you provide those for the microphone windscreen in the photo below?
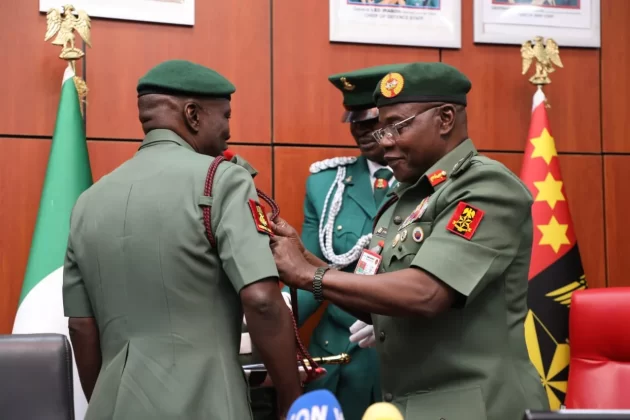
point(382, 411)
point(316, 405)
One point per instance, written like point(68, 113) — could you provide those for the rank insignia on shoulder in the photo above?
point(260, 219)
point(437, 177)
point(465, 220)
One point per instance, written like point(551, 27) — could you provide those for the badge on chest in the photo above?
point(370, 260)
point(416, 214)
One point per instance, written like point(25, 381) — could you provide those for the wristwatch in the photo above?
point(318, 291)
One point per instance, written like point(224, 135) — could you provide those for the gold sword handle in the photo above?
point(340, 359)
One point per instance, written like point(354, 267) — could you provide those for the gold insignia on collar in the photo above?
point(347, 85)
point(348, 180)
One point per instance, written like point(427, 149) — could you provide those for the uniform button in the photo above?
point(326, 343)
point(382, 336)
point(339, 227)
point(388, 397)
point(397, 220)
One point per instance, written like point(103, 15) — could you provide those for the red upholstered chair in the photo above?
point(599, 335)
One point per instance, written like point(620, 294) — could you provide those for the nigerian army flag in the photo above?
point(68, 174)
point(555, 270)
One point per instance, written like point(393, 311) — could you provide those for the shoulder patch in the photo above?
point(260, 219)
point(332, 163)
point(465, 220)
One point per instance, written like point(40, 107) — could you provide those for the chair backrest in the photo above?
point(36, 377)
point(599, 336)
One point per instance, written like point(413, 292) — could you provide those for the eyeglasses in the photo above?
point(390, 132)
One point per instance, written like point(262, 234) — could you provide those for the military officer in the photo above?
point(155, 292)
point(343, 195)
point(447, 288)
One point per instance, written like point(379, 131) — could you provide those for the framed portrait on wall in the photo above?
point(175, 12)
point(571, 23)
point(417, 23)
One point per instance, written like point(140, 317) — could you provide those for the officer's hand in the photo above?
point(280, 227)
point(294, 269)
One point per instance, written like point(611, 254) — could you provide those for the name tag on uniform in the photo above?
point(369, 262)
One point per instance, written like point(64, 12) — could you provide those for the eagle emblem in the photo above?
point(63, 25)
point(546, 56)
point(347, 85)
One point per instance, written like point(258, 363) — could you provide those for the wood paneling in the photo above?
point(230, 37)
point(616, 176)
point(582, 175)
point(105, 156)
point(22, 169)
point(290, 172)
point(615, 81)
point(307, 107)
point(31, 75)
point(501, 98)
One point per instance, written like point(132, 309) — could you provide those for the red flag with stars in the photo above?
point(555, 270)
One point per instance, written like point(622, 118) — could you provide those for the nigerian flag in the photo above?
point(68, 174)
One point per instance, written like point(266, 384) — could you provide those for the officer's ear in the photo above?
point(191, 115)
point(447, 114)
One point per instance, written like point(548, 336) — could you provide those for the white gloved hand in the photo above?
point(362, 333)
point(287, 299)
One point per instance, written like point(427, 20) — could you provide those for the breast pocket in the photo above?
point(458, 404)
point(405, 244)
point(347, 231)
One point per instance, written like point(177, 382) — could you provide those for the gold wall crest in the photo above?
point(546, 55)
point(63, 24)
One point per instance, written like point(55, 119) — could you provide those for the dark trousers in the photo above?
point(264, 404)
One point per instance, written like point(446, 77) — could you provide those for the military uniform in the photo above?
point(166, 302)
point(467, 222)
point(339, 210)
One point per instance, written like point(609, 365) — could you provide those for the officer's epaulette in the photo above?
point(331, 163)
point(463, 164)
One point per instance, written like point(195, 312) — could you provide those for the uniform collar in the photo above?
point(161, 135)
point(373, 167)
point(435, 176)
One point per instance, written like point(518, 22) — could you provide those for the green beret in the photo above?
point(422, 82)
point(357, 88)
point(180, 77)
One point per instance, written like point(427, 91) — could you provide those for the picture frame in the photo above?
point(174, 12)
point(571, 23)
point(415, 23)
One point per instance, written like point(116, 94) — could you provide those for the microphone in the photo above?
point(316, 405)
point(382, 411)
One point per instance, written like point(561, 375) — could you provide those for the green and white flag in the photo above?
point(68, 174)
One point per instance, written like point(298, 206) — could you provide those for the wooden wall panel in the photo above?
point(31, 74)
point(501, 98)
point(105, 156)
point(582, 175)
point(307, 107)
point(22, 169)
point(617, 202)
point(615, 83)
point(228, 37)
